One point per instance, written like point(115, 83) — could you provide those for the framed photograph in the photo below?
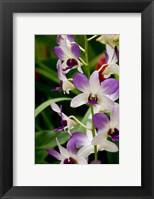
point(76, 99)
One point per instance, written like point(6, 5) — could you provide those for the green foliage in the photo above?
point(47, 103)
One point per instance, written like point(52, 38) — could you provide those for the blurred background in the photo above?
point(45, 80)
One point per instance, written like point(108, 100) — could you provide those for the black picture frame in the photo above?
point(7, 8)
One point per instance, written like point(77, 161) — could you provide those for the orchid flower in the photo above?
point(94, 92)
point(67, 155)
point(112, 40)
point(61, 38)
point(113, 97)
point(66, 122)
point(85, 141)
point(110, 67)
point(65, 84)
point(106, 127)
point(69, 53)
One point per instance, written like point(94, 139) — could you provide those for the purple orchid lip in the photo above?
point(70, 63)
point(114, 134)
point(63, 125)
point(92, 99)
point(70, 160)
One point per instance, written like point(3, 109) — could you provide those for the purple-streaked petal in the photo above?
point(106, 56)
point(55, 154)
point(115, 95)
point(75, 50)
point(94, 82)
point(101, 121)
point(59, 129)
point(110, 51)
point(61, 76)
point(98, 162)
point(70, 38)
point(110, 86)
point(81, 82)
point(59, 52)
point(71, 146)
point(80, 138)
point(79, 100)
point(57, 88)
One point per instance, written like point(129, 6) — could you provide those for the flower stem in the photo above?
point(82, 61)
point(102, 67)
point(86, 55)
point(93, 133)
point(73, 117)
point(92, 111)
point(92, 37)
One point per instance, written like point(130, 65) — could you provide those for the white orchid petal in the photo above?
point(94, 82)
point(110, 51)
point(67, 86)
point(89, 132)
point(108, 146)
point(55, 107)
point(105, 103)
point(86, 150)
point(111, 69)
point(81, 160)
point(79, 100)
point(71, 124)
point(62, 150)
point(114, 116)
point(99, 138)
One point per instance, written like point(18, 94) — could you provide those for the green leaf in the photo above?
point(47, 103)
point(47, 139)
point(40, 155)
point(113, 158)
point(84, 120)
point(52, 75)
point(46, 120)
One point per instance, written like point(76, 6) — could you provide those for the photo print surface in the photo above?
point(77, 99)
